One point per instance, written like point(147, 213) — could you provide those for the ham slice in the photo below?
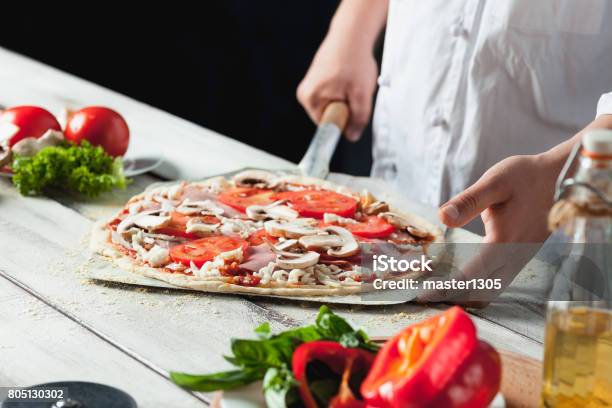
point(228, 211)
point(195, 193)
point(257, 257)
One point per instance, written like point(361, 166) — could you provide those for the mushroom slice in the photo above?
point(366, 199)
point(51, 138)
point(401, 223)
point(394, 219)
point(349, 243)
point(130, 220)
point(157, 256)
point(255, 178)
point(30, 145)
point(282, 212)
point(26, 147)
point(375, 208)
point(117, 238)
point(292, 229)
point(206, 207)
point(152, 222)
point(417, 232)
point(275, 211)
point(290, 260)
point(285, 245)
point(176, 191)
point(196, 225)
point(330, 218)
point(314, 242)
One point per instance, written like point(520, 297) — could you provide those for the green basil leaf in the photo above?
point(272, 354)
point(350, 340)
point(302, 334)
point(334, 327)
point(263, 331)
point(330, 325)
point(225, 380)
point(263, 353)
point(280, 388)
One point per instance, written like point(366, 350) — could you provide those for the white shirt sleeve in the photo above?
point(604, 107)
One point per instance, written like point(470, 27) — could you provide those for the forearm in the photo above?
point(358, 22)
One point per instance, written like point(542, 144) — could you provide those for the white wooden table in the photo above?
point(56, 325)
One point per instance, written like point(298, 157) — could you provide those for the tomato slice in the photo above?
point(240, 198)
point(371, 227)
point(205, 249)
point(315, 203)
point(178, 225)
point(261, 236)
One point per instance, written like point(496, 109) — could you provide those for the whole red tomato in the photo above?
point(100, 126)
point(32, 121)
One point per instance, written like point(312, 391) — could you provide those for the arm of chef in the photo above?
point(513, 199)
point(344, 67)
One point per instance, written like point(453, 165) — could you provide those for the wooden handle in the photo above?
point(336, 113)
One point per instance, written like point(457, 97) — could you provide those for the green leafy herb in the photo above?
point(280, 388)
point(84, 168)
point(268, 358)
point(225, 380)
point(263, 331)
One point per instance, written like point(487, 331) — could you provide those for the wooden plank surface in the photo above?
point(46, 246)
point(39, 345)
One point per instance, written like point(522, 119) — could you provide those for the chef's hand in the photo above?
point(344, 67)
point(340, 73)
point(513, 199)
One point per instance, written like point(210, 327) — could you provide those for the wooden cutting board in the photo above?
point(521, 381)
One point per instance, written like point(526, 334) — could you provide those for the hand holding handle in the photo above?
point(336, 112)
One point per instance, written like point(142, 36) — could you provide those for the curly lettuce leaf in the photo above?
point(86, 169)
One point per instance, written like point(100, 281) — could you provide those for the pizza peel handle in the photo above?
point(315, 162)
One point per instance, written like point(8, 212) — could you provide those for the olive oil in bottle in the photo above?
point(578, 358)
point(578, 340)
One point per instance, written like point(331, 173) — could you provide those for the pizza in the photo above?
point(256, 232)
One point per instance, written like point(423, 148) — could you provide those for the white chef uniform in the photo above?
point(467, 83)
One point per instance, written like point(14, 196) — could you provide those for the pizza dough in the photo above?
point(145, 237)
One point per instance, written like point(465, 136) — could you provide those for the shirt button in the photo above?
point(458, 30)
point(437, 120)
point(384, 80)
point(391, 172)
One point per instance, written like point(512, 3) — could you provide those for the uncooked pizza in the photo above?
point(257, 232)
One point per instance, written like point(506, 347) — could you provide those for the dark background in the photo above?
point(229, 65)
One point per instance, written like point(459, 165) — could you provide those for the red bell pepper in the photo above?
point(435, 363)
point(350, 365)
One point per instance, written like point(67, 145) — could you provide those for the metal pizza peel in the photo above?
point(315, 162)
